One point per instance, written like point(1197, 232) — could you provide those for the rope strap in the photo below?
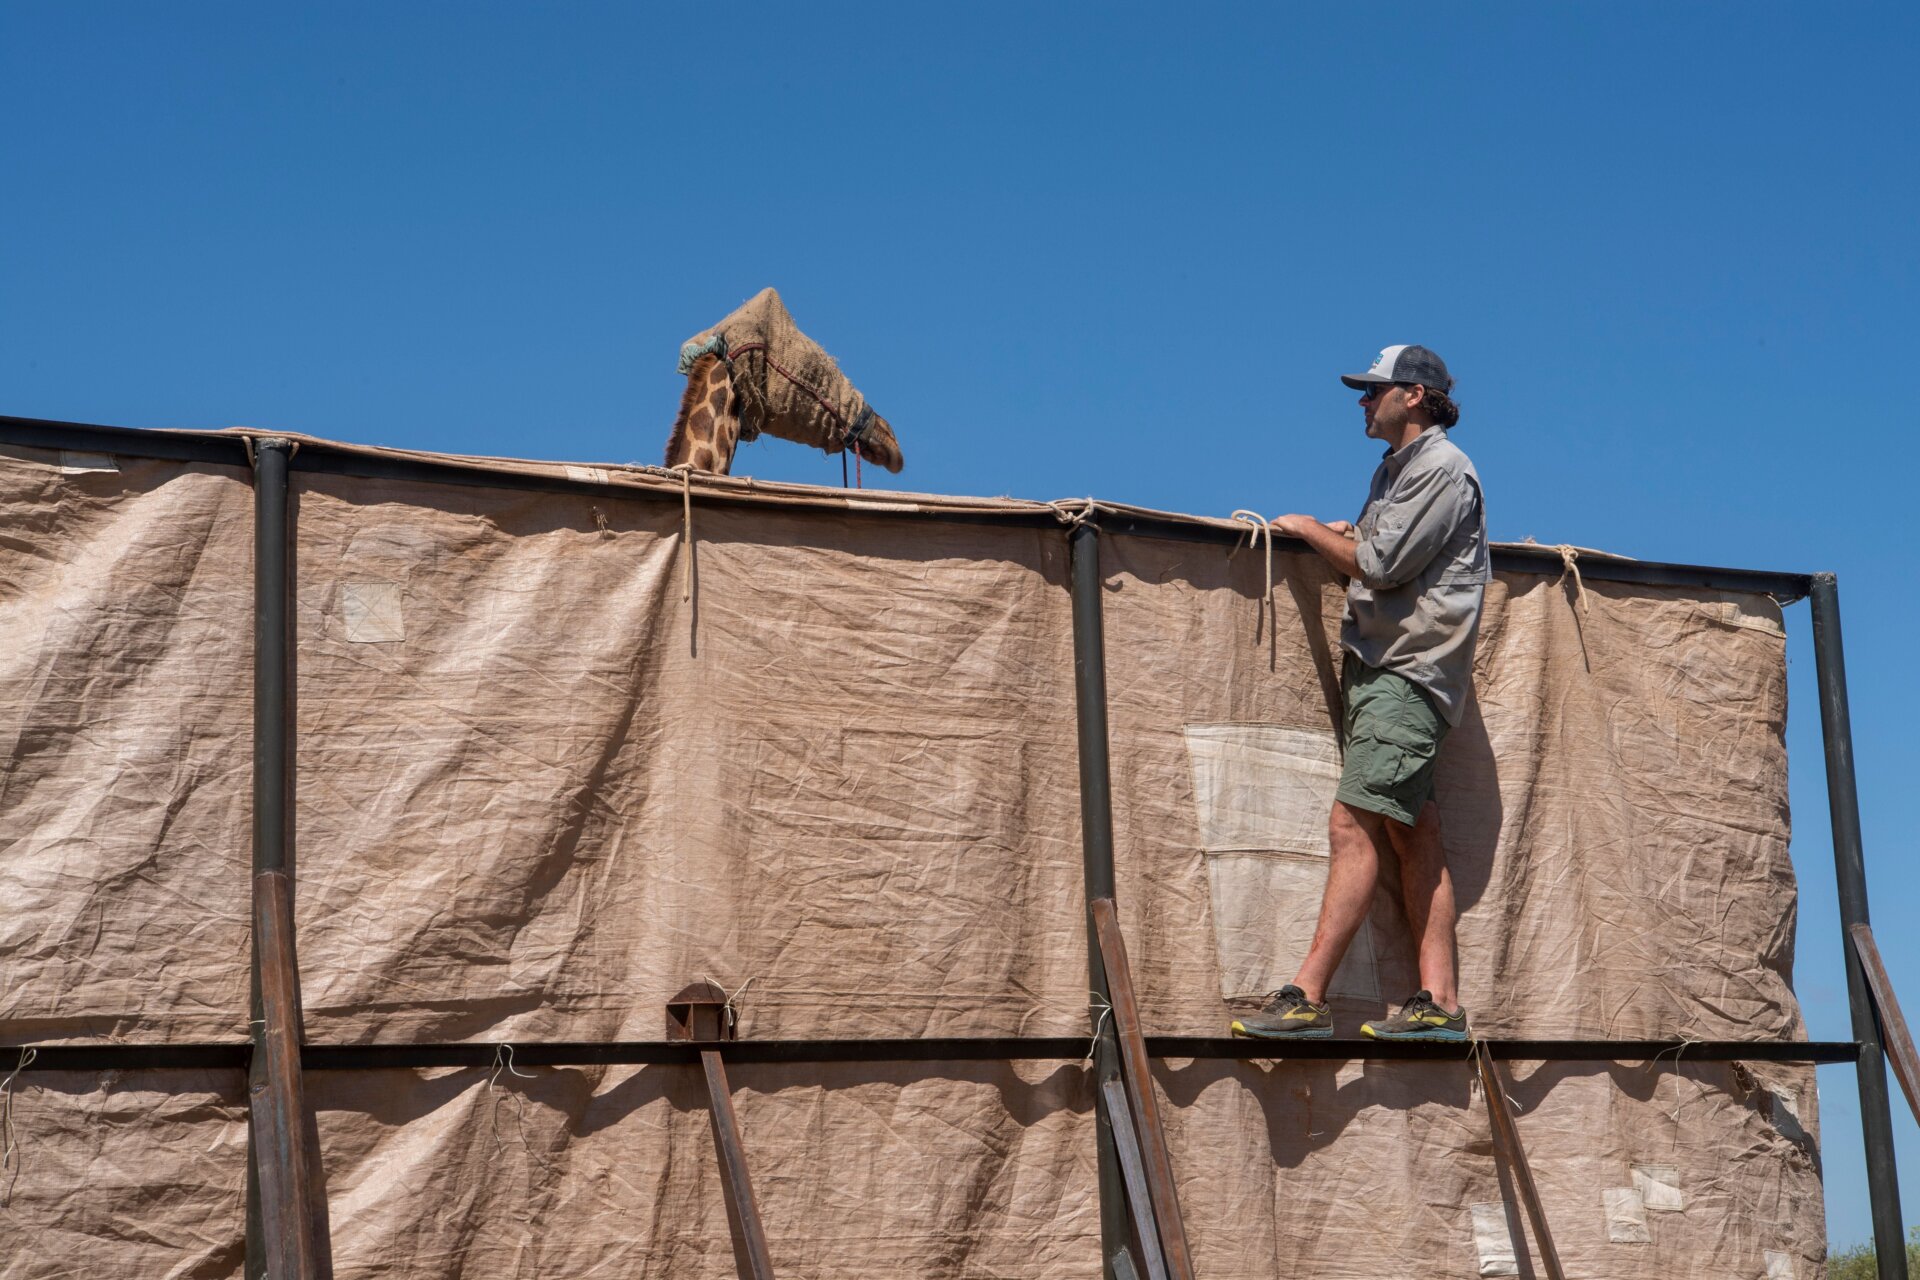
point(1570, 564)
point(685, 471)
point(1259, 529)
point(732, 1014)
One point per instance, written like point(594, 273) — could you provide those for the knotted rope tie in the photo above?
point(1106, 1009)
point(1259, 528)
point(685, 471)
point(1074, 512)
point(1570, 564)
point(1686, 1042)
point(7, 1164)
point(502, 1058)
point(1477, 1050)
point(732, 1014)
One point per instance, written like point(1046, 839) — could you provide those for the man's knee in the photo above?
point(1422, 839)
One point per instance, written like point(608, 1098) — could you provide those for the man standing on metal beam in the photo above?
point(1417, 568)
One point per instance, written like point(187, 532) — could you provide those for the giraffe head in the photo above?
point(755, 371)
point(718, 410)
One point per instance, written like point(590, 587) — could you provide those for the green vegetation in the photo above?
point(1857, 1263)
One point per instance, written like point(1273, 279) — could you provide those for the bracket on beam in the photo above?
point(700, 1012)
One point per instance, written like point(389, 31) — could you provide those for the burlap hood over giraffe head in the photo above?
point(755, 371)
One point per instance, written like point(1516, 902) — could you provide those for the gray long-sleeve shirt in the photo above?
point(1422, 548)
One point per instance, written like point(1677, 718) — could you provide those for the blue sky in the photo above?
point(1668, 251)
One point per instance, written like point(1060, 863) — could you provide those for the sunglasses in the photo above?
point(1377, 389)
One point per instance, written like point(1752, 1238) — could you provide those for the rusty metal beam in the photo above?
point(1506, 1143)
point(1894, 1036)
point(276, 1101)
point(1138, 1074)
point(743, 1213)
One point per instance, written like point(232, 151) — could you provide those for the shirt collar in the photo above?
point(1396, 460)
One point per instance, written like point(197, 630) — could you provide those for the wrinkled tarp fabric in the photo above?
point(537, 792)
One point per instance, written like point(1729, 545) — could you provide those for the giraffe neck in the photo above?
point(708, 428)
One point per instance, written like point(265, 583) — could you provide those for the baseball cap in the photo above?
point(1403, 364)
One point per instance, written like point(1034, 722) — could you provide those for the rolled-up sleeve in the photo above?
point(1410, 531)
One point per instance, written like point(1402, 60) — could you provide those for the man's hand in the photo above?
point(1330, 540)
point(1292, 526)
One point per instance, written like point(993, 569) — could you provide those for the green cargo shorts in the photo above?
point(1393, 738)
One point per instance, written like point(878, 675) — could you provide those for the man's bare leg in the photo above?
point(1427, 889)
point(1356, 839)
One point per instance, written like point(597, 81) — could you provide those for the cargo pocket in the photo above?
point(1389, 755)
point(1386, 763)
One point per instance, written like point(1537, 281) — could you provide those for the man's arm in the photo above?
point(1331, 541)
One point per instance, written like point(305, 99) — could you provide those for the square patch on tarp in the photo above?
point(1261, 794)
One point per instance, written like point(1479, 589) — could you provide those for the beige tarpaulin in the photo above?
point(538, 792)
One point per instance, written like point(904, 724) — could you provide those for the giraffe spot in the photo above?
point(703, 459)
point(719, 397)
point(700, 422)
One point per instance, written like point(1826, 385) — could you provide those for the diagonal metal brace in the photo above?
point(1145, 1107)
point(1894, 1036)
point(749, 1238)
point(1126, 1143)
point(1506, 1143)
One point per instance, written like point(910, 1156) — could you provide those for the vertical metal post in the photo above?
point(1096, 837)
point(1850, 871)
point(280, 1224)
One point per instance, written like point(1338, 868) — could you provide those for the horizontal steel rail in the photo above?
point(372, 1057)
point(319, 458)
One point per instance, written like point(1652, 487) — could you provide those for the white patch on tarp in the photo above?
point(1263, 786)
point(867, 504)
point(589, 475)
point(1626, 1215)
point(1658, 1186)
point(1780, 1265)
point(66, 461)
point(371, 612)
point(74, 463)
point(1493, 1242)
point(1749, 612)
point(1261, 796)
